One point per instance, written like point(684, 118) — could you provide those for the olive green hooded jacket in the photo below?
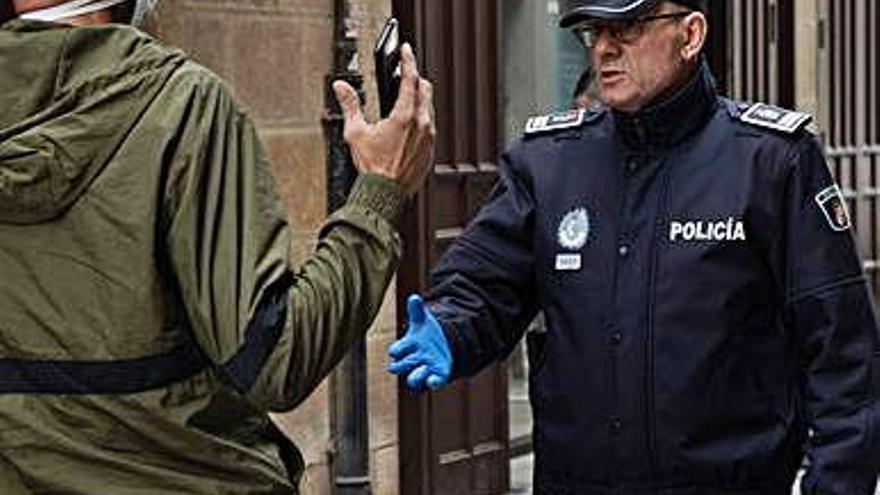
point(149, 317)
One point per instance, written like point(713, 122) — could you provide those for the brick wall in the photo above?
point(275, 54)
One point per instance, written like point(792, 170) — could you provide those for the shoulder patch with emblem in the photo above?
point(776, 118)
point(556, 121)
point(833, 206)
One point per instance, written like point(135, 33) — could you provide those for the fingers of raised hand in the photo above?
point(405, 108)
point(420, 146)
point(425, 116)
point(350, 103)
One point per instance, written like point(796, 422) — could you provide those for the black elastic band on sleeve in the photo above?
point(261, 336)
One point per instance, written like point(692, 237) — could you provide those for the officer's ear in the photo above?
point(695, 29)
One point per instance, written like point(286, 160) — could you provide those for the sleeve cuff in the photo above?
point(453, 339)
point(378, 194)
point(454, 342)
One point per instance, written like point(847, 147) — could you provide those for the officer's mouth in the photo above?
point(611, 76)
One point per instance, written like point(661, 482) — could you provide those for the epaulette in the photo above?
point(569, 119)
point(770, 117)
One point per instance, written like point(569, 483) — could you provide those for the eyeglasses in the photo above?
point(625, 32)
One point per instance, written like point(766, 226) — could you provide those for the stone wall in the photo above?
point(275, 55)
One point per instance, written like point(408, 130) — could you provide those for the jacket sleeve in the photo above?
point(270, 332)
point(482, 289)
point(830, 307)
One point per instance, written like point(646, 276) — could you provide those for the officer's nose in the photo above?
point(605, 48)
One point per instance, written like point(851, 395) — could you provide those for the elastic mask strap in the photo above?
point(74, 8)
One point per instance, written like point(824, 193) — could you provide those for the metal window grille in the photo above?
point(761, 56)
point(849, 79)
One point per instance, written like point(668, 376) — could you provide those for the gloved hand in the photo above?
point(423, 353)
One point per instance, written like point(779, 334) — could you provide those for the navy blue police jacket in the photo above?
point(708, 321)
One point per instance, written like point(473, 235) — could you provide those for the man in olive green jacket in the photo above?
point(149, 317)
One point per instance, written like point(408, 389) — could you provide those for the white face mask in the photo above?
point(69, 10)
point(74, 8)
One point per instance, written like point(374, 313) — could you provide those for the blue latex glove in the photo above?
point(423, 354)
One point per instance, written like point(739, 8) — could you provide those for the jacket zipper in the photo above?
point(659, 224)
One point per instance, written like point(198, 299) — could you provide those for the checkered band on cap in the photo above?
point(620, 10)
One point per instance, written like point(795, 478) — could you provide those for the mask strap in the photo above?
point(68, 10)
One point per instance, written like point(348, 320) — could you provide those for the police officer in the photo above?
point(708, 320)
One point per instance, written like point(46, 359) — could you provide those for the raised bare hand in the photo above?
point(400, 147)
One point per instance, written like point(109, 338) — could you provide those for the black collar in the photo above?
point(662, 125)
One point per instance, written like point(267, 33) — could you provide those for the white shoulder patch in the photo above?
point(555, 121)
point(833, 206)
point(776, 118)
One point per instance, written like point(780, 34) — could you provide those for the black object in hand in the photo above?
point(387, 55)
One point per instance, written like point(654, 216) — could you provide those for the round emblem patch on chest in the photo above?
point(574, 230)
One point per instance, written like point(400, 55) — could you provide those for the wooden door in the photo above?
point(455, 441)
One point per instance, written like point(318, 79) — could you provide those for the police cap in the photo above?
point(620, 10)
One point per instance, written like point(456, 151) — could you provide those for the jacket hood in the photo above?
point(69, 97)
